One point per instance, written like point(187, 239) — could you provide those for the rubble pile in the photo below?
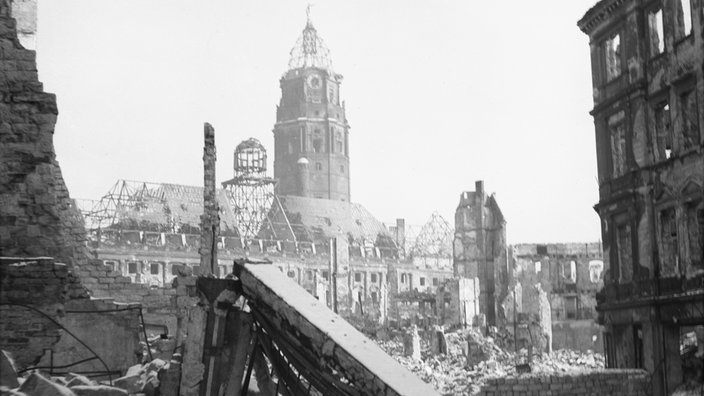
point(150, 379)
point(472, 359)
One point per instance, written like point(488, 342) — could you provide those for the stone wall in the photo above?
point(43, 285)
point(37, 217)
point(597, 382)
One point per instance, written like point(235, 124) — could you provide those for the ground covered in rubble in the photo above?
point(452, 374)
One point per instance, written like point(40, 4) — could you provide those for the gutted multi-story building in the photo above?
point(479, 249)
point(570, 274)
point(648, 86)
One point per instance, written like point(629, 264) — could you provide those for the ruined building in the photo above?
point(311, 134)
point(212, 334)
point(302, 219)
point(568, 275)
point(648, 88)
point(479, 249)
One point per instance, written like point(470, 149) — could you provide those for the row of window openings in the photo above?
point(134, 267)
point(373, 278)
point(318, 147)
point(667, 241)
point(664, 135)
point(317, 113)
point(319, 167)
point(656, 37)
point(405, 278)
point(318, 142)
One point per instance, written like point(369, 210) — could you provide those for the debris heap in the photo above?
point(472, 358)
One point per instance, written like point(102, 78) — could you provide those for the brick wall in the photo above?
point(37, 217)
point(595, 382)
point(44, 285)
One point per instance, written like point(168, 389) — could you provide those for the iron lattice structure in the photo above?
point(124, 195)
point(310, 50)
point(250, 193)
point(434, 239)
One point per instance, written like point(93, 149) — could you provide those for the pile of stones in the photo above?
point(157, 377)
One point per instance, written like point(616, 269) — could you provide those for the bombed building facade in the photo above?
point(648, 89)
point(128, 274)
point(479, 249)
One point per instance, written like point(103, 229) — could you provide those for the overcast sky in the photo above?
point(439, 94)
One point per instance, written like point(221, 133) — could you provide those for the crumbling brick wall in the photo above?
point(596, 382)
point(37, 217)
point(45, 286)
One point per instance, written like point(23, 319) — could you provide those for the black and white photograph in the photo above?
point(328, 197)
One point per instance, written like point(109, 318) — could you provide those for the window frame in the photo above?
point(616, 32)
point(658, 7)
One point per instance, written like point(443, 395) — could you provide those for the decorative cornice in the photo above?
point(597, 14)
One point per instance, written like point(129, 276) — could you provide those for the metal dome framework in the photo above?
point(310, 50)
point(250, 192)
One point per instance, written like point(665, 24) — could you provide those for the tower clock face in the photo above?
point(313, 81)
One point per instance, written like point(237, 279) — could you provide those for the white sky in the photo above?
point(439, 94)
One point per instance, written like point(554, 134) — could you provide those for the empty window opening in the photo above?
point(326, 275)
point(695, 235)
point(612, 53)
point(176, 267)
point(690, 118)
point(357, 277)
point(338, 146)
point(374, 278)
point(112, 265)
point(668, 242)
point(569, 271)
point(541, 250)
point(291, 274)
point(538, 266)
point(684, 19)
point(624, 251)
point(571, 307)
point(154, 268)
point(422, 281)
point(342, 169)
point(403, 278)
point(435, 281)
point(132, 268)
point(663, 130)
point(638, 344)
point(318, 166)
point(691, 340)
point(309, 275)
point(618, 144)
point(655, 32)
point(596, 267)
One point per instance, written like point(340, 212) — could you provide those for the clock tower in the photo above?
point(311, 134)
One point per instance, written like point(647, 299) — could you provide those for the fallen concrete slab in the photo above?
point(322, 346)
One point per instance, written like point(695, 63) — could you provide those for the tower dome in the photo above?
point(310, 50)
point(250, 158)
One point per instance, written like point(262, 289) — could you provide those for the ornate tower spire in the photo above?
point(310, 50)
point(311, 134)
